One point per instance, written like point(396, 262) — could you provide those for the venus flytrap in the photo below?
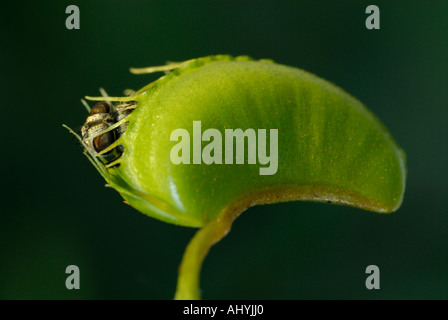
point(323, 145)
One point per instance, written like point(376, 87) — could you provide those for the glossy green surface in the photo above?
point(330, 147)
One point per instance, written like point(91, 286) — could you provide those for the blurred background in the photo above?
point(56, 211)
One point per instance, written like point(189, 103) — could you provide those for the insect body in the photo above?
point(120, 112)
point(101, 117)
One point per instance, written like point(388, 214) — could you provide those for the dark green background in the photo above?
point(56, 211)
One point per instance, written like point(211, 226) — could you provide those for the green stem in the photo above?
point(197, 249)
